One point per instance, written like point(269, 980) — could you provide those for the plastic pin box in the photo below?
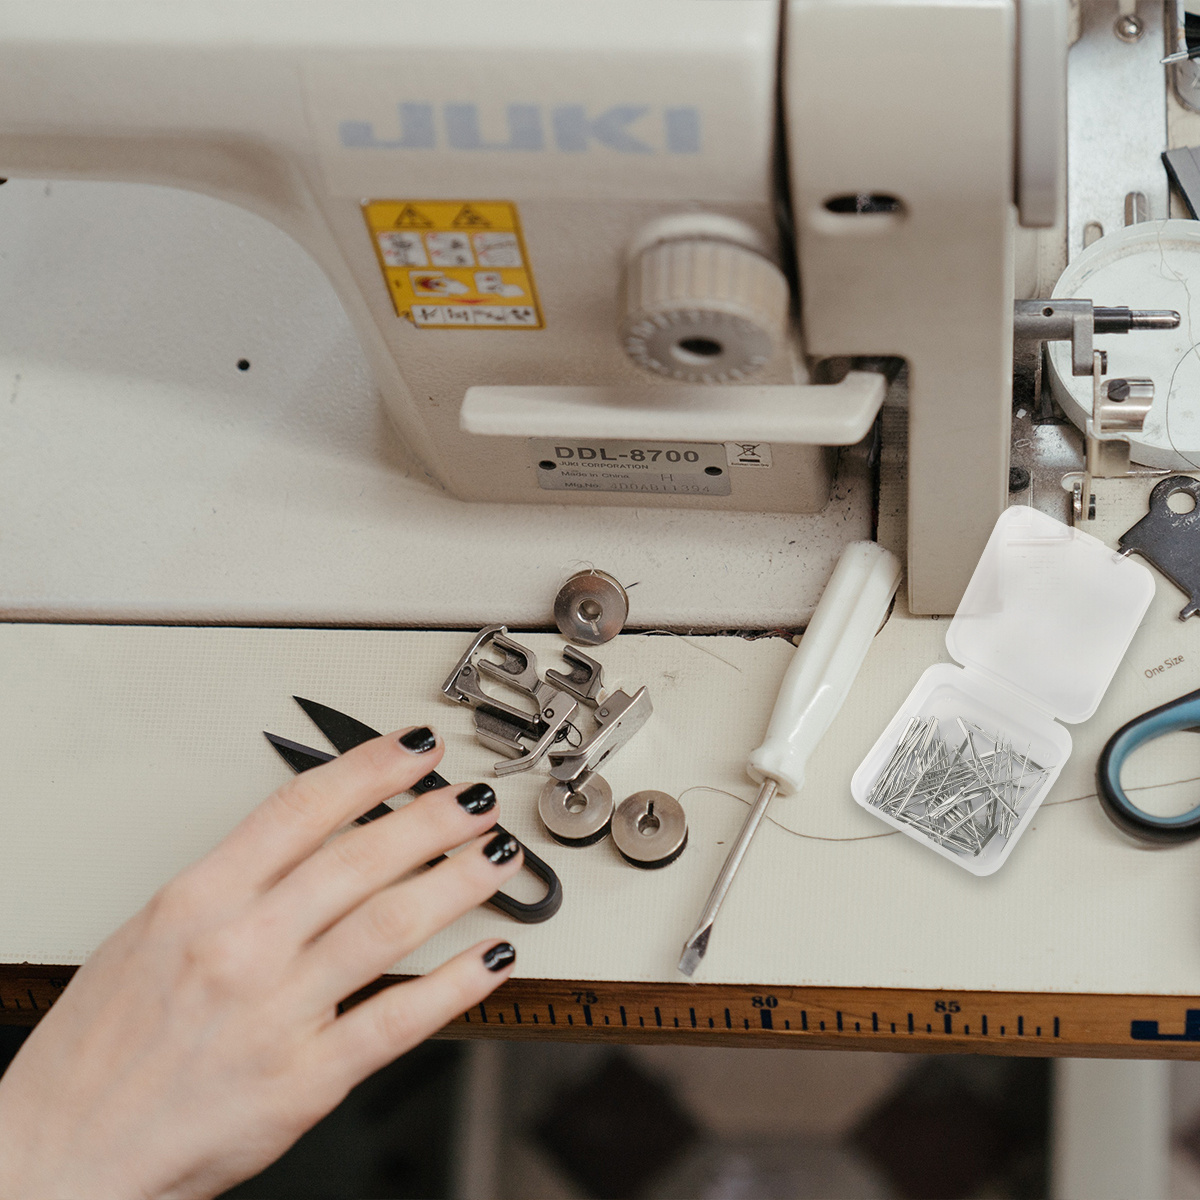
point(1040, 632)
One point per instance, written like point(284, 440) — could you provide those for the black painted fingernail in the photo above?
point(500, 956)
point(501, 848)
point(478, 798)
point(419, 741)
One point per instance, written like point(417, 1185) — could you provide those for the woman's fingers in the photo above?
point(396, 920)
point(294, 820)
point(375, 1032)
point(357, 863)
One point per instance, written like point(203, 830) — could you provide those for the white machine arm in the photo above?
point(573, 211)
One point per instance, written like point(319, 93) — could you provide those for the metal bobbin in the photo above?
point(590, 608)
point(577, 814)
point(650, 829)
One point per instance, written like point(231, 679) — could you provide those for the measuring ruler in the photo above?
point(930, 1022)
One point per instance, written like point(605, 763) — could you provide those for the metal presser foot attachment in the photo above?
point(523, 734)
point(539, 728)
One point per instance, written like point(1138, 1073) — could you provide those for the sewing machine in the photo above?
point(599, 257)
point(561, 236)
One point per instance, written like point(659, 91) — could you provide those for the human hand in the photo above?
point(202, 1038)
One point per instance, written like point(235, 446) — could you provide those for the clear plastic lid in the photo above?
point(1049, 613)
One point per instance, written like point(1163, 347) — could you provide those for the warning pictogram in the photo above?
point(411, 218)
point(468, 218)
point(431, 252)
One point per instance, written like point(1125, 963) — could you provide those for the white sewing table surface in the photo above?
point(143, 478)
point(130, 750)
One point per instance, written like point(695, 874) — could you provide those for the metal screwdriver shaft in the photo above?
point(832, 650)
point(695, 947)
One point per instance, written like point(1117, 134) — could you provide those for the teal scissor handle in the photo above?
point(1181, 714)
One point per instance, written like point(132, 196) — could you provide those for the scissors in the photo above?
point(344, 733)
point(1181, 714)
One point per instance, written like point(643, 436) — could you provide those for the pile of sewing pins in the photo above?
point(960, 795)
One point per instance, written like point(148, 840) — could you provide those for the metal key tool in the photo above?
point(1170, 540)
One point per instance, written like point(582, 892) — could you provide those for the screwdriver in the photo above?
point(817, 680)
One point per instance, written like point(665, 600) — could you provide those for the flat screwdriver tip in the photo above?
point(694, 949)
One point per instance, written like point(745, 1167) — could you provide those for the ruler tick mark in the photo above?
point(875, 1023)
point(623, 1020)
point(822, 1024)
point(947, 1023)
point(1056, 1027)
point(928, 1028)
point(728, 1020)
point(587, 1013)
point(501, 1016)
point(910, 1023)
point(1020, 1027)
point(786, 1023)
point(570, 1019)
point(642, 1022)
point(893, 1026)
point(692, 1014)
point(747, 1021)
point(1037, 1032)
point(606, 1018)
point(711, 1023)
point(535, 1018)
point(765, 1016)
point(657, 1017)
point(984, 1020)
point(483, 1013)
point(857, 1027)
point(676, 1022)
point(804, 1019)
point(517, 1012)
point(966, 1029)
point(839, 1021)
point(553, 1020)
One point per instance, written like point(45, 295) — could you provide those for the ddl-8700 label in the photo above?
point(664, 468)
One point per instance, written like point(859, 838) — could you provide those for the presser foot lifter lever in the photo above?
point(344, 733)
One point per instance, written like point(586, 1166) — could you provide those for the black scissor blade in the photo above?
point(298, 757)
point(342, 731)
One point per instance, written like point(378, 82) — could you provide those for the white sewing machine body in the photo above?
point(521, 156)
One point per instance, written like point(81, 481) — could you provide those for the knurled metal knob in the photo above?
point(704, 311)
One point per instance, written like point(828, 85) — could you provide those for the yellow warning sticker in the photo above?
point(455, 264)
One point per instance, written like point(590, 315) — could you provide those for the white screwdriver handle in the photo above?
point(832, 650)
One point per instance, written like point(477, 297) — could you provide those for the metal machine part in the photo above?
point(591, 608)
point(1121, 408)
point(618, 717)
point(524, 735)
point(1183, 167)
point(1116, 123)
point(650, 829)
point(1077, 321)
point(577, 814)
point(1170, 540)
point(704, 311)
